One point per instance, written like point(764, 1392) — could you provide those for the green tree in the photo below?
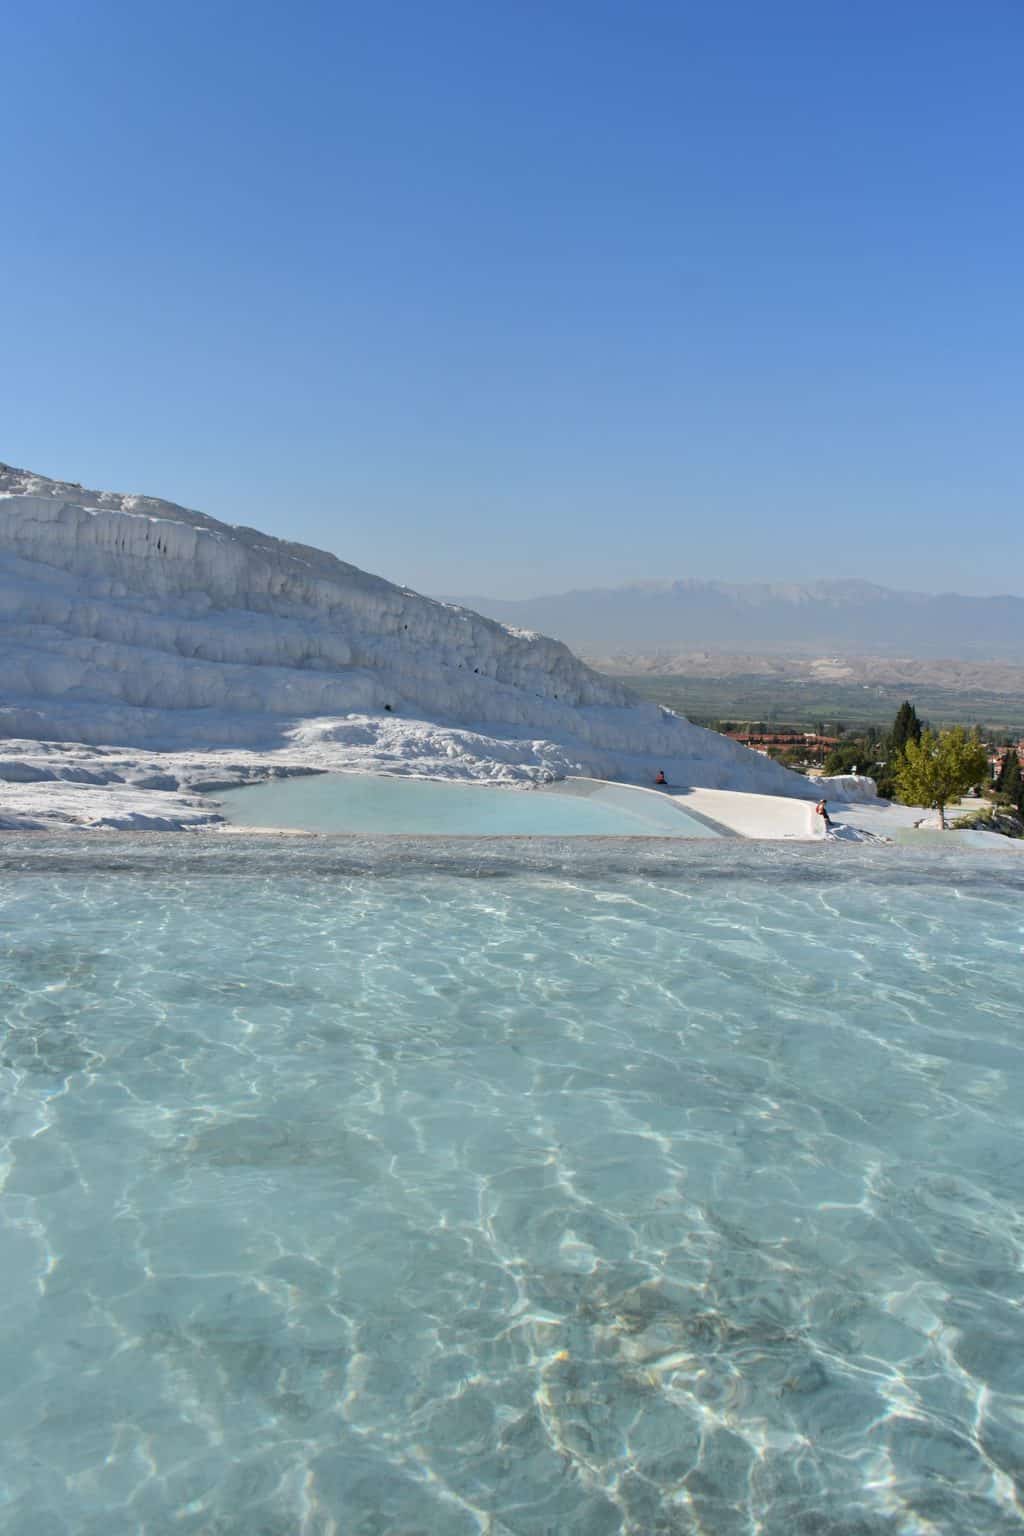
point(858, 753)
point(936, 769)
point(847, 756)
point(906, 727)
point(1010, 782)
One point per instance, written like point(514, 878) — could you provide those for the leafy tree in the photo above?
point(847, 756)
point(906, 727)
point(936, 769)
point(856, 753)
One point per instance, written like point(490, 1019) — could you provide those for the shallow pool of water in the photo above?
point(489, 1188)
point(351, 802)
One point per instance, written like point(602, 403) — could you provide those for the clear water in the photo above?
point(591, 1188)
point(350, 802)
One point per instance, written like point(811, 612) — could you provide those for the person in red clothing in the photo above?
point(660, 779)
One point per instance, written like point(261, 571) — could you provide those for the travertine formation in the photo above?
point(130, 622)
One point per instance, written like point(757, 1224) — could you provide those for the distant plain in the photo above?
point(807, 692)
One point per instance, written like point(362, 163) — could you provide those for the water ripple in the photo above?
point(359, 1191)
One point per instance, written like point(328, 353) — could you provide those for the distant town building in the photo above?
point(997, 754)
point(812, 747)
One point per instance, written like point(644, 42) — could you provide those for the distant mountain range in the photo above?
point(825, 616)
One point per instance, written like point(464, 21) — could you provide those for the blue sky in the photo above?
point(509, 296)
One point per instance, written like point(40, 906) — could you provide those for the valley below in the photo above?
point(806, 691)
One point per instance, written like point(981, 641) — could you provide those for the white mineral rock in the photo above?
point(131, 623)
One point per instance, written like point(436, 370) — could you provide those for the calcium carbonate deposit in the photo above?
point(150, 652)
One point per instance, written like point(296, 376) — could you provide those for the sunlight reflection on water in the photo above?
point(509, 1188)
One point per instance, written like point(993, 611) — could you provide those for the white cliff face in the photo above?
point(129, 621)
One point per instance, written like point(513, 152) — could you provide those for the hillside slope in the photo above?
point(129, 621)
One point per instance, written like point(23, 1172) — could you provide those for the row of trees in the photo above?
point(920, 766)
point(876, 753)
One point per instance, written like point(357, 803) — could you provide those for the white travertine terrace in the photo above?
point(135, 626)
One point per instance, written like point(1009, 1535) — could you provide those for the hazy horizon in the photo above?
point(663, 583)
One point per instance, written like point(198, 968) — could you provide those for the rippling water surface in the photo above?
point(474, 1189)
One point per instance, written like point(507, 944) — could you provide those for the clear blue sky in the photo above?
point(507, 296)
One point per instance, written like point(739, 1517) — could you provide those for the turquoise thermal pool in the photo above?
point(490, 1189)
point(354, 803)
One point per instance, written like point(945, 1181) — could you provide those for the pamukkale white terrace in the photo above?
point(150, 651)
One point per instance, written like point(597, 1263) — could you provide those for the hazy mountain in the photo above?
point(823, 616)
